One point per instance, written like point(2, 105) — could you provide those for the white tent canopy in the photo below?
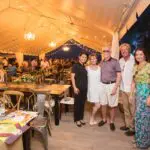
point(90, 22)
point(137, 10)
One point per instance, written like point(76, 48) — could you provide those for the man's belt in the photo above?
point(109, 82)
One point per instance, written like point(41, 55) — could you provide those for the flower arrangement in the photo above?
point(25, 78)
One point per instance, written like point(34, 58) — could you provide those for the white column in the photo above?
point(115, 46)
point(42, 56)
point(19, 57)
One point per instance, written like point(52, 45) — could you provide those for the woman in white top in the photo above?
point(94, 86)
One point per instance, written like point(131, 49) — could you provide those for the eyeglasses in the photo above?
point(106, 51)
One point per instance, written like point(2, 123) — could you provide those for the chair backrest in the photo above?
point(7, 96)
point(49, 103)
point(2, 100)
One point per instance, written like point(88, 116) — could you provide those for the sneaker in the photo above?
point(101, 123)
point(130, 133)
point(124, 128)
point(82, 122)
point(78, 124)
point(112, 127)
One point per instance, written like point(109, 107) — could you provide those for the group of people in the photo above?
point(11, 68)
point(125, 81)
point(45, 64)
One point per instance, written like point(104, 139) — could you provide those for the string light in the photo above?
point(66, 48)
point(54, 54)
point(52, 44)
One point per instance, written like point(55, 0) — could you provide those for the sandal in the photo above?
point(93, 123)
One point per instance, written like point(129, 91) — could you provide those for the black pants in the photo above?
point(79, 105)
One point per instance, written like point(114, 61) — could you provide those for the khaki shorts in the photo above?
point(107, 98)
point(120, 97)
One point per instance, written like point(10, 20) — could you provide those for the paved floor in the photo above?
point(67, 136)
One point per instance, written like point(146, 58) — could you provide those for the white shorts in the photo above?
point(107, 98)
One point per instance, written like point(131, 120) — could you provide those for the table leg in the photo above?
point(57, 111)
point(26, 140)
point(60, 111)
point(66, 108)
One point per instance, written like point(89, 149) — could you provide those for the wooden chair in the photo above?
point(39, 125)
point(49, 103)
point(8, 100)
point(31, 100)
point(42, 124)
point(66, 101)
point(48, 109)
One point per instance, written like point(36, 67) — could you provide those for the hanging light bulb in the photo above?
point(52, 44)
point(66, 48)
point(29, 36)
point(104, 36)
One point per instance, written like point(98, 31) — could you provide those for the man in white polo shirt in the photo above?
point(127, 63)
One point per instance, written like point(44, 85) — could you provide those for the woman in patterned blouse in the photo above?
point(141, 84)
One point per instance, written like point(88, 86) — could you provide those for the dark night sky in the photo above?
point(139, 34)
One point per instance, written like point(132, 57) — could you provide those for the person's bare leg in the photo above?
point(112, 118)
point(104, 112)
point(95, 109)
point(112, 114)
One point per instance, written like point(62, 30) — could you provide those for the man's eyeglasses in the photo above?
point(106, 51)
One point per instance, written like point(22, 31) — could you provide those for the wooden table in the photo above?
point(17, 145)
point(56, 90)
point(17, 141)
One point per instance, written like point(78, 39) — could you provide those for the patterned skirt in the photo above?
point(142, 117)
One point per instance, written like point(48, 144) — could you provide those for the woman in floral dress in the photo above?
point(141, 84)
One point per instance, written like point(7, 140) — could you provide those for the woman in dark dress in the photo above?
point(79, 83)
